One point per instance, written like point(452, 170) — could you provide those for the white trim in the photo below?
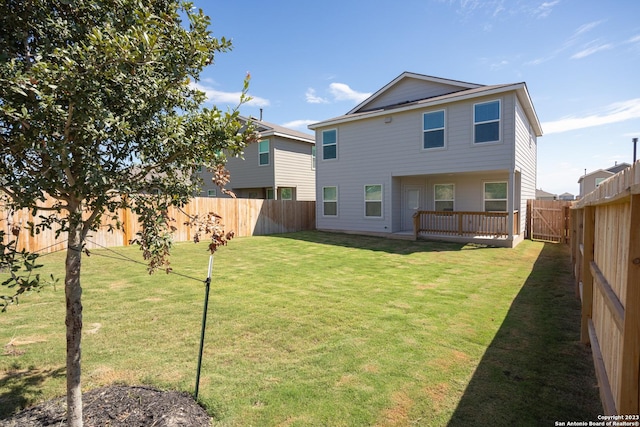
point(336, 201)
point(444, 200)
point(323, 145)
point(407, 74)
point(381, 201)
point(497, 141)
point(444, 130)
point(484, 183)
point(520, 89)
point(268, 152)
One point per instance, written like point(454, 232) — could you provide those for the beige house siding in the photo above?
point(294, 169)
point(289, 166)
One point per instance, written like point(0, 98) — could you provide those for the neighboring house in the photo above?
point(566, 197)
point(280, 166)
point(544, 195)
point(591, 181)
point(463, 153)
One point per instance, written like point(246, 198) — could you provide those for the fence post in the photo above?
point(630, 364)
point(576, 253)
point(587, 278)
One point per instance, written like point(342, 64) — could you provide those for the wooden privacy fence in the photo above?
point(549, 220)
point(246, 217)
point(605, 254)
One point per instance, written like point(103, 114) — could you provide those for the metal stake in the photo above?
point(204, 325)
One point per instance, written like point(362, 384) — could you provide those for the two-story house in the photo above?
point(590, 181)
point(430, 157)
point(281, 165)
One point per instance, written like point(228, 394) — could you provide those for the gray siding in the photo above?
point(525, 161)
point(408, 90)
point(382, 150)
point(289, 166)
point(247, 173)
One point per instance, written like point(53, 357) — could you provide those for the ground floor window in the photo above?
point(286, 194)
point(495, 196)
point(330, 201)
point(444, 195)
point(373, 201)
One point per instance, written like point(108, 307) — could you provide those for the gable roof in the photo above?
point(406, 75)
point(467, 91)
point(607, 172)
point(618, 167)
point(603, 172)
point(541, 193)
point(266, 129)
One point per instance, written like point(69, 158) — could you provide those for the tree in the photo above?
point(98, 113)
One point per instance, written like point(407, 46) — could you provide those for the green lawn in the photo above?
point(319, 329)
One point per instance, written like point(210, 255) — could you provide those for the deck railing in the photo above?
point(466, 224)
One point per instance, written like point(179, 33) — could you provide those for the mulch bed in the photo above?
point(117, 406)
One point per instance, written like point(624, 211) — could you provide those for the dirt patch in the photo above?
point(119, 406)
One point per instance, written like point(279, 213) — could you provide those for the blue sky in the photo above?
point(317, 60)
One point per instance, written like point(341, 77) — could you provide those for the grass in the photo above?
point(313, 328)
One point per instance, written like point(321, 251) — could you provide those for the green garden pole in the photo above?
point(204, 324)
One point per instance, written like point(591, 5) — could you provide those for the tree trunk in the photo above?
point(73, 294)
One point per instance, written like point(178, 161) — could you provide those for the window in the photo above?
point(443, 195)
point(329, 144)
point(211, 193)
point(313, 157)
point(495, 196)
point(373, 201)
point(286, 193)
point(269, 193)
point(433, 130)
point(486, 121)
point(263, 152)
point(599, 181)
point(330, 201)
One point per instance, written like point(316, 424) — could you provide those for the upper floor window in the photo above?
point(486, 122)
point(444, 196)
point(263, 152)
point(330, 201)
point(495, 196)
point(433, 129)
point(313, 157)
point(599, 181)
point(373, 201)
point(329, 144)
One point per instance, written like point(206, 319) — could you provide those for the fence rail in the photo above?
point(605, 255)
point(454, 223)
point(246, 217)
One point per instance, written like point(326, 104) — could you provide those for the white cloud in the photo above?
point(299, 124)
point(342, 92)
point(312, 98)
point(218, 97)
point(545, 9)
point(586, 28)
point(339, 92)
point(614, 113)
point(634, 39)
point(592, 48)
